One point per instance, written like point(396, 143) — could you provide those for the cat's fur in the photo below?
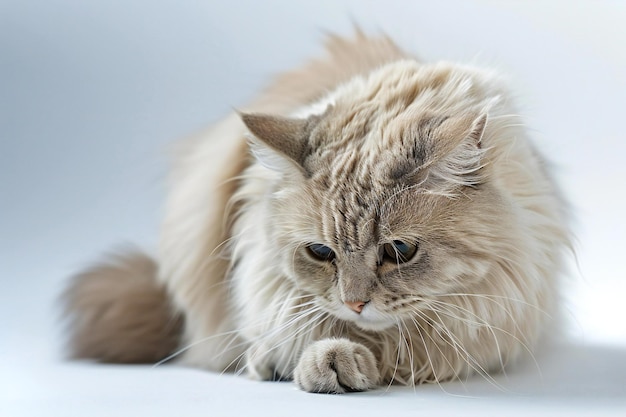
point(363, 148)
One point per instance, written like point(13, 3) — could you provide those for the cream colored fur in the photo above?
point(364, 147)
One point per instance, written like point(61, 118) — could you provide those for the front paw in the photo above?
point(336, 366)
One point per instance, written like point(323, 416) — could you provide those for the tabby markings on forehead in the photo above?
point(353, 222)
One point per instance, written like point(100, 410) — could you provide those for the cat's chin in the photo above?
point(374, 326)
point(369, 319)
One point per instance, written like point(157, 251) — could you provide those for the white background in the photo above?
point(91, 93)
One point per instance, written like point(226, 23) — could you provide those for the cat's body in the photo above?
point(394, 225)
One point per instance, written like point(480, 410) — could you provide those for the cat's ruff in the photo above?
point(394, 224)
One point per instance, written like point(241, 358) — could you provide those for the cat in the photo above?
point(370, 219)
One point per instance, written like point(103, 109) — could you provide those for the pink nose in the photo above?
point(356, 306)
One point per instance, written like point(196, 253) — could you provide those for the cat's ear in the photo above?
point(465, 129)
point(278, 141)
point(458, 154)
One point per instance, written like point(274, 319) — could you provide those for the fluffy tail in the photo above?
point(118, 312)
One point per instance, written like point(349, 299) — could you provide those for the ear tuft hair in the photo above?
point(454, 155)
point(461, 157)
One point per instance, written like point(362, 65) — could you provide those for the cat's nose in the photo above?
point(356, 306)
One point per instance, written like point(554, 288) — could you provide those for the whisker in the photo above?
point(395, 369)
point(410, 352)
point(471, 361)
point(235, 332)
point(482, 323)
point(438, 379)
point(306, 327)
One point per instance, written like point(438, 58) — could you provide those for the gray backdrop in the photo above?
point(91, 93)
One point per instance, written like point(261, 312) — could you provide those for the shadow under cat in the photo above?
point(567, 371)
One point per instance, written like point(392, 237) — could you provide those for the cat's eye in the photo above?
point(399, 251)
point(321, 252)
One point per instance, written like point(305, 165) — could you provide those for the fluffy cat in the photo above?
point(369, 220)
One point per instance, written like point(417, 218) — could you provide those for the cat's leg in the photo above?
point(336, 366)
point(257, 365)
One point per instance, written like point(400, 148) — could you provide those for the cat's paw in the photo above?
point(336, 366)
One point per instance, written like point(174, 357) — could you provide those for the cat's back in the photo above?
point(344, 59)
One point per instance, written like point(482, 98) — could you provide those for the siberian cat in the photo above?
point(369, 220)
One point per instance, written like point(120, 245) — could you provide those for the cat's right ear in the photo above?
point(278, 142)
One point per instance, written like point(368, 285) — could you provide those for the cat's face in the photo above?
point(384, 207)
point(390, 247)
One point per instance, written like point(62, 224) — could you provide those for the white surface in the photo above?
point(91, 93)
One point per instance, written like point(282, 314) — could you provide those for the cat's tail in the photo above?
point(117, 311)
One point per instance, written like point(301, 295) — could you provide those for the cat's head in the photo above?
point(384, 200)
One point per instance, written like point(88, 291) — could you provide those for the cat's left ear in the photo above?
point(278, 142)
point(466, 129)
point(458, 151)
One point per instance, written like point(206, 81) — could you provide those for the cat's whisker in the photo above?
point(223, 246)
point(456, 344)
point(437, 379)
point(259, 323)
point(446, 359)
point(191, 345)
point(471, 361)
point(437, 306)
point(521, 340)
point(319, 321)
point(484, 324)
point(408, 340)
point(489, 297)
point(395, 368)
point(300, 315)
point(430, 362)
point(289, 336)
